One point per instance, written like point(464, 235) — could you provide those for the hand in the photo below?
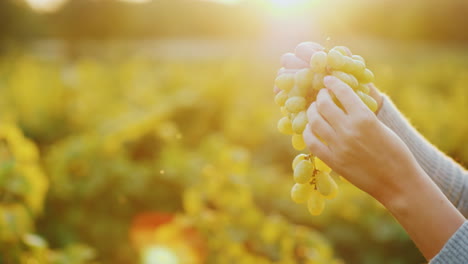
point(367, 153)
point(358, 146)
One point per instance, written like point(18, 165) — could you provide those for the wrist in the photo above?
point(424, 212)
point(397, 198)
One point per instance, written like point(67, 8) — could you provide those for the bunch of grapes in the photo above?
point(315, 181)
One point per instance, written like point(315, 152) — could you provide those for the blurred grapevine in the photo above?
point(91, 144)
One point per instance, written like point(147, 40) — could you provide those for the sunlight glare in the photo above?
point(136, 1)
point(284, 7)
point(45, 5)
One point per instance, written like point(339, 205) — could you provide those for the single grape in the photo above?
point(304, 172)
point(347, 78)
point(298, 142)
point(363, 88)
point(326, 185)
point(321, 166)
point(281, 98)
point(343, 50)
point(368, 100)
point(358, 66)
point(300, 193)
point(318, 62)
point(299, 91)
point(367, 76)
point(295, 104)
point(335, 59)
point(304, 79)
point(359, 58)
point(299, 158)
point(316, 203)
point(285, 81)
point(348, 65)
point(299, 122)
point(285, 126)
point(317, 82)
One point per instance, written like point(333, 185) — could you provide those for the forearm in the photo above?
point(450, 177)
point(424, 212)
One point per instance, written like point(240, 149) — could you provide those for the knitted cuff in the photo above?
point(455, 251)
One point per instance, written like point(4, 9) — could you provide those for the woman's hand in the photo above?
point(372, 157)
point(355, 143)
point(367, 153)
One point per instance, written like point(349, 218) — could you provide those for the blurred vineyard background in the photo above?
point(145, 131)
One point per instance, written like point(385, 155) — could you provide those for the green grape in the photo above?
point(317, 82)
point(297, 91)
point(298, 142)
point(295, 104)
point(363, 88)
point(281, 98)
point(348, 65)
point(318, 62)
point(335, 59)
point(285, 81)
point(326, 185)
point(299, 122)
point(359, 58)
point(341, 49)
point(300, 193)
point(285, 126)
point(367, 76)
point(321, 166)
point(304, 172)
point(347, 78)
point(299, 158)
point(358, 66)
point(316, 203)
point(368, 100)
point(304, 80)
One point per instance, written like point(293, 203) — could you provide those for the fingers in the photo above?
point(318, 125)
point(305, 50)
point(315, 146)
point(290, 61)
point(328, 109)
point(345, 94)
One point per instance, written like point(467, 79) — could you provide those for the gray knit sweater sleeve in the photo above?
point(451, 178)
point(455, 251)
